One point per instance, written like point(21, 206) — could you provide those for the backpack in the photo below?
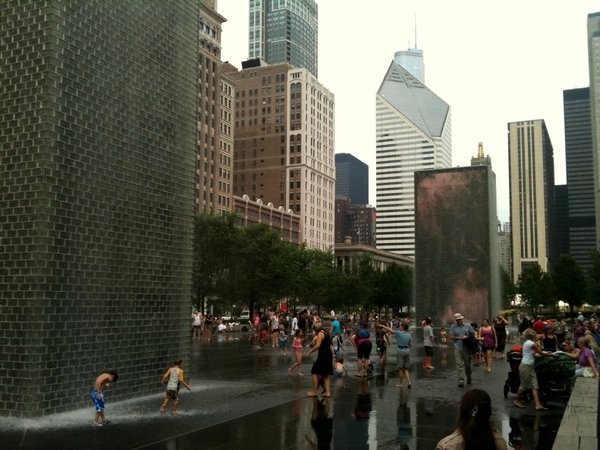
point(363, 334)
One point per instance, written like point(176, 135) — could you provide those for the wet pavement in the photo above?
point(243, 398)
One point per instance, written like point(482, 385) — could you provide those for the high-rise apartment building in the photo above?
point(214, 165)
point(285, 31)
point(351, 178)
point(593, 32)
point(580, 175)
point(532, 213)
point(354, 221)
point(413, 132)
point(412, 60)
point(284, 144)
point(98, 125)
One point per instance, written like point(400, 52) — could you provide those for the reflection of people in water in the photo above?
point(453, 237)
point(515, 435)
point(403, 422)
point(321, 424)
point(363, 406)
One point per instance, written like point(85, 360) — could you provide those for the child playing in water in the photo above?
point(339, 369)
point(283, 340)
point(263, 336)
point(175, 377)
point(102, 381)
point(444, 337)
point(297, 345)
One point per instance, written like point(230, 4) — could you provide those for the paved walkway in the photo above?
point(244, 398)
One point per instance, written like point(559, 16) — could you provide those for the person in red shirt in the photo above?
point(538, 325)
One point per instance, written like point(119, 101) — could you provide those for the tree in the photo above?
point(535, 287)
point(261, 268)
point(394, 287)
point(214, 246)
point(508, 290)
point(569, 281)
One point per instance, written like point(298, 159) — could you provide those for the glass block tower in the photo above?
point(97, 150)
point(413, 133)
point(284, 31)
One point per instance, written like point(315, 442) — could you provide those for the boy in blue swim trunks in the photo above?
point(102, 381)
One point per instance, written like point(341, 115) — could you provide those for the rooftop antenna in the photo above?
point(416, 46)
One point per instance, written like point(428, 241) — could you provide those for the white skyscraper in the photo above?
point(413, 132)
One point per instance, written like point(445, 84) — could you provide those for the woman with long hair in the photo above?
point(474, 431)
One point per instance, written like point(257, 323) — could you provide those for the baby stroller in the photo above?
point(513, 357)
point(555, 376)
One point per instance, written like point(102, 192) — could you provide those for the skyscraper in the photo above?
point(532, 213)
point(412, 60)
point(413, 132)
point(593, 29)
point(214, 168)
point(356, 222)
point(97, 195)
point(285, 31)
point(284, 144)
point(580, 175)
point(351, 178)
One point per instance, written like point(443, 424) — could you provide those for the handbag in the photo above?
point(472, 344)
point(588, 372)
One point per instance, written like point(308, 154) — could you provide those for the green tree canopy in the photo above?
point(214, 249)
point(569, 281)
point(535, 287)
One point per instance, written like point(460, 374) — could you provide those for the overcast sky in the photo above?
point(493, 62)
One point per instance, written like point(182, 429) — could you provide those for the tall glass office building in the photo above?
point(413, 132)
point(580, 175)
point(284, 31)
point(593, 29)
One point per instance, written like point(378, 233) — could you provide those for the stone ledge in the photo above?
point(579, 426)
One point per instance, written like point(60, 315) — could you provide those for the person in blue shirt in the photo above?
point(459, 332)
point(403, 340)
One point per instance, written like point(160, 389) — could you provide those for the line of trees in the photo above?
point(253, 266)
point(566, 282)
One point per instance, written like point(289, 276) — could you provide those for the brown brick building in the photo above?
point(284, 144)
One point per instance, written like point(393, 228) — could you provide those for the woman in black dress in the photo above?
point(500, 324)
point(323, 366)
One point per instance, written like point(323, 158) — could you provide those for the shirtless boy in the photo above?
point(102, 381)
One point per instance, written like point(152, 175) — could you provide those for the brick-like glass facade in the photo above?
point(97, 152)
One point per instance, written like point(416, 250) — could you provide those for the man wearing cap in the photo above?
point(459, 331)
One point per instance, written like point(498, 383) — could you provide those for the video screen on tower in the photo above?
point(452, 244)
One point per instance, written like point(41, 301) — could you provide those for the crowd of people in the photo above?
point(473, 344)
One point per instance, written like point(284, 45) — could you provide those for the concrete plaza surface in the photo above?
point(243, 398)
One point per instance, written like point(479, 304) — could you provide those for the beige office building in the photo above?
point(531, 171)
point(214, 163)
point(284, 144)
